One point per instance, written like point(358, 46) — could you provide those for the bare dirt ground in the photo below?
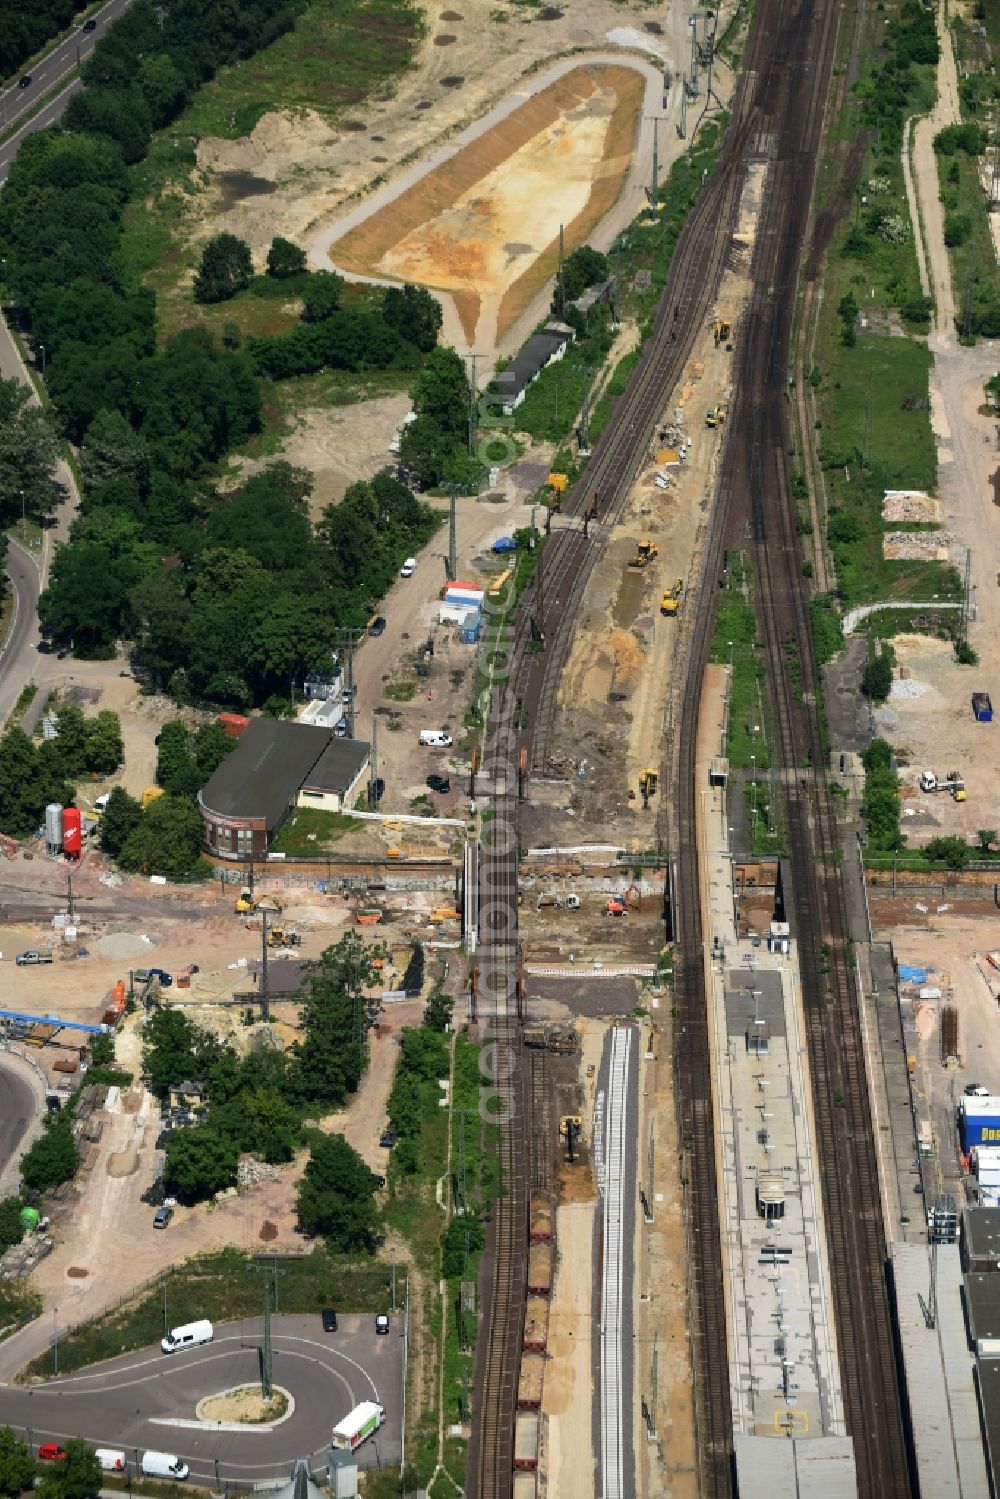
point(567, 1399)
point(484, 222)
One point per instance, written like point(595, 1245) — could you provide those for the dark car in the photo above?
point(388, 1138)
point(90, 25)
point(377, 625)
point(24, 81)
point(377, 1181)
point(376, 791)
point(439, 783)
point(329, 1319)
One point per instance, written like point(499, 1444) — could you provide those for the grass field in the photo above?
point(735, 640)
point(336, 57)
point(220, 1286)
point(311, 832)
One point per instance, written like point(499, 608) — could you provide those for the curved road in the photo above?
point(147, 1399)
point(21, 1101)
point(17, 657)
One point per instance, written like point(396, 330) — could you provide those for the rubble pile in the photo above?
point(916, 546)
point(909, 505)
point(250, 1173)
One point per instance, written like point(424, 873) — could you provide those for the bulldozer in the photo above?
point(648, 781)
point(247, 901)
point(645, 553)
point(669, 604)
point(721, 330)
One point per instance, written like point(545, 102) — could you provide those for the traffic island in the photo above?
point(245, 1405)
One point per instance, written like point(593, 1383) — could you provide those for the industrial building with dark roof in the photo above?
point(276, 767)
point(541, 350)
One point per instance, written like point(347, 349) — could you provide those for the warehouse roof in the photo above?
point(810, 1467)
point(262, 776)
point(981, 1233)
point(982, 1304)
point(532, 359)
point(339, 766)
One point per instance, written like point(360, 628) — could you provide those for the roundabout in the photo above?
point(145, 1400)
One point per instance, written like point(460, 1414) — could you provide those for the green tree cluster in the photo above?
point(29, 447)
point(11, 1227)
point(435, 445)
point(876, 679)
point(880, 803)
point(24, 29)
point(33, 775)
point(258, 1103)
point(414, 1096)
point(185, 760)
point(53, 1157)
point(77, 1476)
point(951, 850)
point(584, 267)
point(17, 1466)
point(336, 1198)
point(226, 268)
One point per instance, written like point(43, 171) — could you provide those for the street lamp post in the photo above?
point(42, 351)
point(24, 520)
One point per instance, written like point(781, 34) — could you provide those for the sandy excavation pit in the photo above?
point(484, 226)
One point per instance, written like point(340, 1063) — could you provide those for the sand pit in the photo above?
point(483, 226)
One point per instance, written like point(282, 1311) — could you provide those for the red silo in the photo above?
point(71, 832)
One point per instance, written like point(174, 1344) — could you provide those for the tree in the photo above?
point(462, 1237)
point(954, 852)
point(284, 258)
point(170, 1050)
point(112, 450)
point(176, 771)
point(438, 438)
point(121, 816)
point(77, 1476)
point(335, 1009)
point(17, 1466)
point(260, 1120)
point(878, 755)
point(200, 1162)
point(29, 448)
point(53, 1157)
point(11, 1226)
point(876, 680)
point(847, 311)
point(986, 837)
point(335, 1198)
point(438, 1011)
point(226, 268)
point(321, 298)
point(105, 748)
point(415, 314)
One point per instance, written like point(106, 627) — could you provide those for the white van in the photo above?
point(408, 568)
point(163, 1465)
point(101, 804)
point(110, 1460)
point(435, 739)
point(188, 1336)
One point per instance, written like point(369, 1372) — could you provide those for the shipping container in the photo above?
point(978, 1122)
point(526, 1441)
point(536, 1325)
point(72, 832)
point(233, 723)
point(529, 1384)
point(541, 1215)
point(982, 707)
point(540, 1258)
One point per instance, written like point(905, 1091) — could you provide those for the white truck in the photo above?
point(360, 1424)
point(952, 782)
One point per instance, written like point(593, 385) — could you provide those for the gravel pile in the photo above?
point(911, 688)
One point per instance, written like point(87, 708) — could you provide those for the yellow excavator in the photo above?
point(645, 553)
point(648, 781)
point(721, 330)
point(247, 901)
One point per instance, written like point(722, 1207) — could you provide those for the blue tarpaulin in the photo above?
point(912, 975)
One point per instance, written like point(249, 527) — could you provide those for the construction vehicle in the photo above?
point(952, 783)
point(444, 913)
point(645, 553)
point(247, 901)
point(647, 786)
point(561, 902)
point(279, 936)
point(616, 907)
point(721, 331)
point(712, 417)
point(669, 604)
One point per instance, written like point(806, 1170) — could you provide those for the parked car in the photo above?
point(439, 783)
point(329, 1319)
point(24, 81)
point(388, 1138)
point(376, 625)
point(340, 729)
point(51, 1452)
point(377, 790)
point(162, 1217)
point(377, 1181)
point(382, 1324)
point(976, 1090)
point(408, 568)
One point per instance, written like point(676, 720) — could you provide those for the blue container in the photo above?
point(505, 544)
point(978, 1129)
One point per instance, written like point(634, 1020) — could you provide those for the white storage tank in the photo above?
point(54, 827)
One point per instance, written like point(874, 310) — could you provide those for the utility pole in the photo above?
point(693, 23)
point(616, 295)
point(265, 989)
point(654, 200)
point(561, 278)
point(270, 1274)
point(473, 399)
point(867, 454)
point(453, 532)
point(589, 371)
point(373, 765)
point(70, 908)
point(682, 124)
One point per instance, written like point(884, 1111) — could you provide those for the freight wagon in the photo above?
point(529, 1384)
point(536, 1325)
point(526, 1441)
point(541, 1217)
point(525, 1486)
point(540, 1257)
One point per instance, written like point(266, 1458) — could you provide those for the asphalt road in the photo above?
point(147, 1399)
point(19, 1105)
point(16, 102)
point(22, 642)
